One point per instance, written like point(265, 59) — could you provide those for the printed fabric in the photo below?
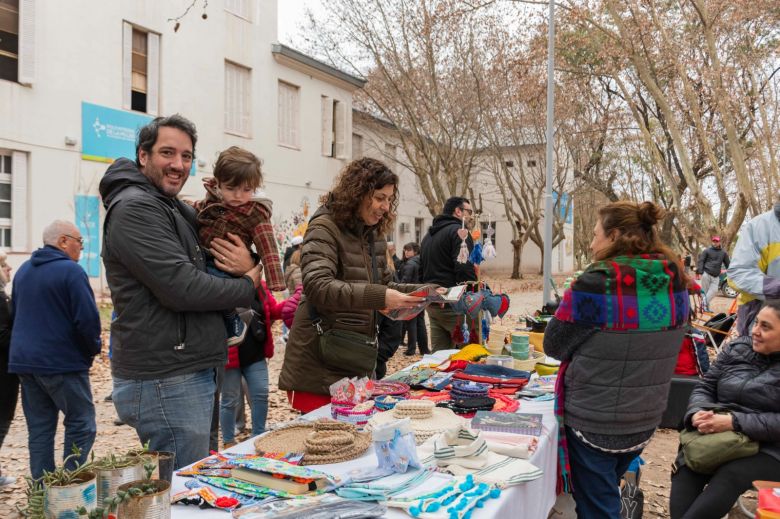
point(643, 292)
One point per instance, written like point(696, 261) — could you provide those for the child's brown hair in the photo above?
point(237, 167)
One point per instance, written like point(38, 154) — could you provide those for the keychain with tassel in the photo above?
point(463, 255)
point(488, 249)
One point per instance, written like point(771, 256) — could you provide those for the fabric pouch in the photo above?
point(348, 352)
point(704, 453)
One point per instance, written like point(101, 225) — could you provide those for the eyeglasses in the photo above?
point(80, 240)
point(470, 211)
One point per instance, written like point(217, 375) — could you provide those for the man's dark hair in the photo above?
point(413, 245)
point(453, 203)
point(147, 135)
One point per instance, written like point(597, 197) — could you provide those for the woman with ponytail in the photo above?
point(617, 333)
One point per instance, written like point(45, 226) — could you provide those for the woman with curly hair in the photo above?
point(346, 280)
point(617, 332)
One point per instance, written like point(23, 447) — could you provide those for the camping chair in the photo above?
point(716, 327)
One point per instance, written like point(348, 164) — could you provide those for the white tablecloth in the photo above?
point(531, 500)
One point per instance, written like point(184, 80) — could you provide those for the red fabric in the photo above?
point(232, 362)
point(273, 312)
point(290, 305)
point(306, 402)
point(686, 359)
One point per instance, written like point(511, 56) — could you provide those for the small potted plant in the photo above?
point(62, 490)
point(145, 499)
point(114, 470)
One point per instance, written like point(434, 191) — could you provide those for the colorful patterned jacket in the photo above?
point(251, 222)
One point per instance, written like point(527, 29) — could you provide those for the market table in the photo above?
point(530, 500)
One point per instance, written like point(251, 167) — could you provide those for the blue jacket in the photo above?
point(56, 322)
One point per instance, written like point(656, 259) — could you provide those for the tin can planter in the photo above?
point(109, 480)
point(163, 462)
point(63, 502)
point(154, 505)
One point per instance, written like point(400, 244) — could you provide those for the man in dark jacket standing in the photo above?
point(439, 261)
point(56, 334)
point(708, 267)
point(168, 337)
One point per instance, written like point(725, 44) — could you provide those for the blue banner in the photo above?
point(88, 222)
point(560, 206)
point(108, 134)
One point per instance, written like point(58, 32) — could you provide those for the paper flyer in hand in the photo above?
point(431, 295)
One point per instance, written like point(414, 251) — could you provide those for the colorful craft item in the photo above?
point(467, 388)
point(425, 418)
point(351, 391)
point(470, 304)
point(386, 402)
point(467, 407)
point(470, 352)
point(476, 256)
point(463, 253)
point(453, 365)
point(357, 415)
point(456, 501)
point(389, 387)
point(488, 249)
point(395, 447)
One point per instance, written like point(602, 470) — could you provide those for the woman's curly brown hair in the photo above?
point(358, 179)
point(636, 224)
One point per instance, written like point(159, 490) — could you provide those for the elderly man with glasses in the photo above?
point(55, 337)
point(439, 264)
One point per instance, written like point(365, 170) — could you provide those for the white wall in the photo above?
point(79, 52)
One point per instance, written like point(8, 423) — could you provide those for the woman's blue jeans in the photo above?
point(257, 381)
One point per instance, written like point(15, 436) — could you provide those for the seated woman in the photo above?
point(746, 379)
point(617, 332)
point(346, 280)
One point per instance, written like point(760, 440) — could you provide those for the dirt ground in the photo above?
point(525, 296)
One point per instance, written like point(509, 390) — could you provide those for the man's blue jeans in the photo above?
point(43, 397)
point(596, 478)
point(173, 414)
point(257, 381)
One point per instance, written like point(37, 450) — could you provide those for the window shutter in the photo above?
point(27, 42)
point(340, 147)
point(327, 126)
point(153, 74)
point(127, 65)
point(19, 202)
point(294, 121)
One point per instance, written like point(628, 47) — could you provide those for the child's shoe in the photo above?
point(236, 330)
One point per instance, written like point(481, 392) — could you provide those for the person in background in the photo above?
point(292, 274)
point(169, 338)
point(711, 260)
point(250, 361)
point(440, 266)
point(9, 382)
point(390, 331)
point(52, 354)
point(393, 256)
point(414, 328)
point(295, 244)
point(346, 279)
point(617, 332)
point(233, 205)
point(755, 269)
point(745, 379)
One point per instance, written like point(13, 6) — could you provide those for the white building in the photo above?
point(376, 138)
point(86, 73)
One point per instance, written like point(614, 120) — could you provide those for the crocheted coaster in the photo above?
point(387, 402)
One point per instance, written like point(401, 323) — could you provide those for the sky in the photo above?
point(291, 15)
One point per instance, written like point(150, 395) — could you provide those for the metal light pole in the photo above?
point(548, 201)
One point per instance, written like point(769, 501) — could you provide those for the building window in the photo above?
point(509, 163)
point(142, 65)
point(390, 152)
point(13, 200)
point(242, 8)
point(530, 163)
point(333, 127)
point(9, 40)
point(357, 146)
point(418, 230)
point(237, 99)
point(289, 120)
